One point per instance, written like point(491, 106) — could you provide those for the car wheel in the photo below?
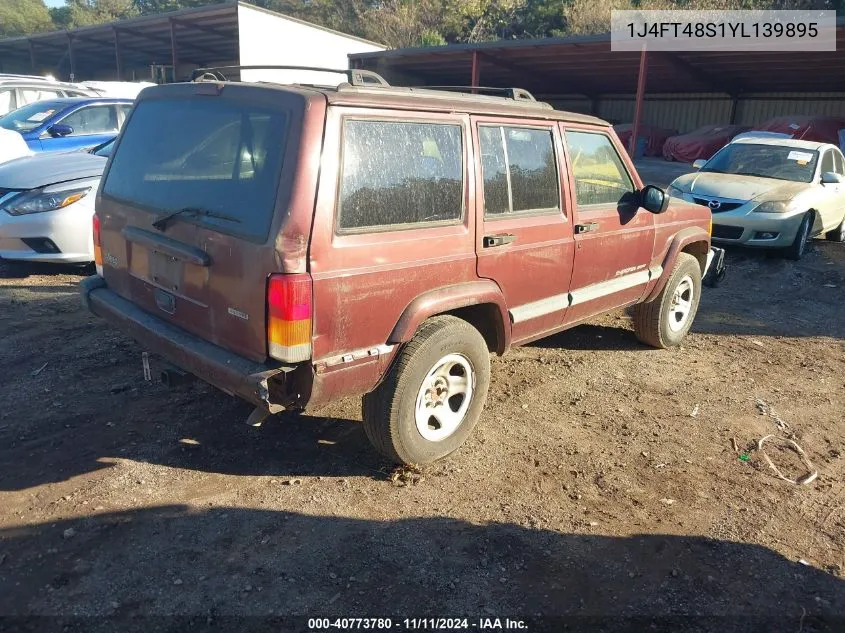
point(798, 247)
point(665, 321)
point(432, 397)
point(837, 234)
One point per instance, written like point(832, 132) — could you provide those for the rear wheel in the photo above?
point(433, 395)
point(837, 234)
point(798, 247)
point(665, 321)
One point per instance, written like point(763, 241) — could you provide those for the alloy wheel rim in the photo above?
point(681, 305)
point(444, 397)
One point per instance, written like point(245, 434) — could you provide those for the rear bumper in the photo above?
point(261, 384)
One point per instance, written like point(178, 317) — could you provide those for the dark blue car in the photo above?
point(62, 125)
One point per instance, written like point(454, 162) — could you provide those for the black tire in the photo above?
point(837, 234)
point(389, 410)
point(798, 247)
point(652, 320)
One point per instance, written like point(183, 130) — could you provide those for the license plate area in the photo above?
point(166, 271)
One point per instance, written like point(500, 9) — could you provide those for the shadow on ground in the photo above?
point(232, 561)
point(22, 270)
point(206, 433)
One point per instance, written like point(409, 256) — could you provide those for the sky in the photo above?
point(54, 3)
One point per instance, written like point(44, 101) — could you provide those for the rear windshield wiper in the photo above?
point(162, 222)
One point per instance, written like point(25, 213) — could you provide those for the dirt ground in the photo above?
point(600, 484)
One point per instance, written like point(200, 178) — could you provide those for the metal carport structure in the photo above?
point(229, 33)
point(582, 73)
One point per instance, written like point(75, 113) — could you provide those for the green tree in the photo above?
point(147, 7)
point(22, 17)
point(87, 12)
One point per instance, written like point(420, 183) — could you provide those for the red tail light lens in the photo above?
point(289, 313)
point(98, 249)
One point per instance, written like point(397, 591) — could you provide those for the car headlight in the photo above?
point(38, 200)
point(774, 206)
point(674, 192)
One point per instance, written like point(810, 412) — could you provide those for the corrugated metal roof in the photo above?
point(586, 65)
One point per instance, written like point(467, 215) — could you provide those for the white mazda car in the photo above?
point(47, 206)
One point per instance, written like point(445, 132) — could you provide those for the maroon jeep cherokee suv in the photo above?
point(295, 244)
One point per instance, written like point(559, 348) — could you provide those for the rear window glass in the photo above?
point(398, 173)
point(211, 154)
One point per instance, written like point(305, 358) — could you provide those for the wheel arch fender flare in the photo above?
point(694, 240)
point(483, 293)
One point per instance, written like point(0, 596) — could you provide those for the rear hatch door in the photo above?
point(190, 202)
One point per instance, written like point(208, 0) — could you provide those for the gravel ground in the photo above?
point(601, 482)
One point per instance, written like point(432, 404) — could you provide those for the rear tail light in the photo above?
point(289, 317)
point(98, 249)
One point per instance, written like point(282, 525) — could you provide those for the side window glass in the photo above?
point(827, 161)
point(123, 113)
point(600, 177)
point(519, 170)
point(7, 102)
point(400, 173)
point(92, 120)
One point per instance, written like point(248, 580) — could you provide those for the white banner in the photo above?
point(761, 31)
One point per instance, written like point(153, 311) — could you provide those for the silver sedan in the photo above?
point(770, 193)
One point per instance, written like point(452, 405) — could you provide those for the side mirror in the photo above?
point(59, 129)
point(653, 199)
point(699, 163)
point(832, 178)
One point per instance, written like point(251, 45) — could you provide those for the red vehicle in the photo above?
point(295, 245)
point(703, 142)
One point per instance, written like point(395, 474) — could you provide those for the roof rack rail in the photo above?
point(517, 94)
point(355, 76)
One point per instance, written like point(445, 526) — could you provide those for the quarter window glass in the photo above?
point(827, 161)
point(92, 120)
point(519, 170)
point(400, 173)
point(5, 101)
point(31, 95)
point(840, 168)
point(600, 177)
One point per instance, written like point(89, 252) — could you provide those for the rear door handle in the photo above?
point(498, 240)
point(586, 228)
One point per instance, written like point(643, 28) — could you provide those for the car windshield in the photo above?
point(769, 161)
point(30, 116)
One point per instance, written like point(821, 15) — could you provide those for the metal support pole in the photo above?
point(173, 54)
point(638, 106)
point(70, 57)
point(476, 72)
point(117, 63)
point(734, 103)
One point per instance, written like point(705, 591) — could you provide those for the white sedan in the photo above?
point(771, 193)
point(47, 206)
